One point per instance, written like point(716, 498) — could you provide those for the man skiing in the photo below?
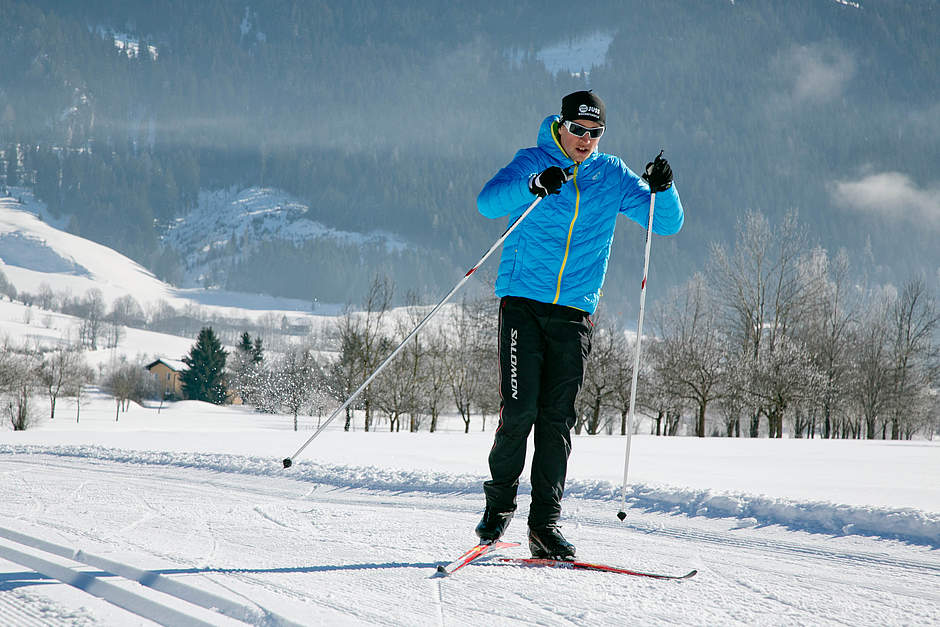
point(549, 281)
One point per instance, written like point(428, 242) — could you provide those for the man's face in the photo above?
point(578, 148)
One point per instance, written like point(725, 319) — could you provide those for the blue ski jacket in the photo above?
point(559, 253)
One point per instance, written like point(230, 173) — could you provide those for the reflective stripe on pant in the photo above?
point(543, 349)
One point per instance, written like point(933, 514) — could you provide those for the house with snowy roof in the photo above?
point(166, 373)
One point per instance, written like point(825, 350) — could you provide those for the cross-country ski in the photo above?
point(579, 565)
point(473, 554)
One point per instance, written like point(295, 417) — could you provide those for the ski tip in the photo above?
point(287, 462)
point(690, 574)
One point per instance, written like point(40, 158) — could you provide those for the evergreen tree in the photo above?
point(246, 368)
point(257, 351)
point(244, 346)
point(204, 379)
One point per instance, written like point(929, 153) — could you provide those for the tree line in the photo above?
point(772, 337)
point(776, 336)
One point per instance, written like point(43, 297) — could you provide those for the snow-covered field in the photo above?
point(185, 516)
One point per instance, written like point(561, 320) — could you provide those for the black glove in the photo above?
point(658, 174)
point(548, 181)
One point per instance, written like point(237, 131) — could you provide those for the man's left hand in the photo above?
point(658, 174)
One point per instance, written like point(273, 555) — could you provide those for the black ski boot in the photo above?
point(548, 543)
point(492, 525)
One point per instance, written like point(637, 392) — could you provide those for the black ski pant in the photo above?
point(543, 350)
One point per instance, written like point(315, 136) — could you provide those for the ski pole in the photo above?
point(636, 360)
point(289, 460)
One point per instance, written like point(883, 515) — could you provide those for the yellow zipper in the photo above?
point(577, 202)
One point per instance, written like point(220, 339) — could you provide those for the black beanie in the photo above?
point(583, 105)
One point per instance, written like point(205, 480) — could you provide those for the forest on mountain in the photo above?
point(391, 116)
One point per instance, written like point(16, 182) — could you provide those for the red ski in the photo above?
point(478, 551)
point(572, 565)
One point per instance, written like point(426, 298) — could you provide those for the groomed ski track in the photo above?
point(110, 541)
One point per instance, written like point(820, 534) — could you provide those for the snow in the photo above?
point(31, 249)
point(576, 54)
point(34, 250)
point(195, 495)
point(128, 43)
point(183, 514)
point(251, 216)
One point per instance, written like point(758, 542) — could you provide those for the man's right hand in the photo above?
point(548, 181)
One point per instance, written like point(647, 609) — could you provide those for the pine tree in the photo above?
point(244, 345)
point(204, 380)
point(257, 351)
point(246, 368)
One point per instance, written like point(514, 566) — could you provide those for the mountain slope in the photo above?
point(34, 254)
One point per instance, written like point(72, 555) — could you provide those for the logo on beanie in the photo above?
point(587, 110)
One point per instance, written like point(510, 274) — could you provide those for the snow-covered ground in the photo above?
point(185, 514)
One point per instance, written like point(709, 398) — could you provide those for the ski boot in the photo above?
point(548, 543)
point(492, 525)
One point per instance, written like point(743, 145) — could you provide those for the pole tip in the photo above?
point(287, 462)
point(621, 515)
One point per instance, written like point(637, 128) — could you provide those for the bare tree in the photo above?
point(781, 380)
point(487, 394)
point(622, 373)
point(345, 370)
point(91, 310)
point(463, 371)
point(828, 334)
point(436, 377)
point(46, 297)
point(733, 402)
point(693, 355)
point(654, 395)
point(484, 314)
point(762, 296)
point(126, 381)
point(914, 320)
point(6, 287)
point(18, 385)
point(296, 376)
point(373, 343)
point(413, 356)
point(393, 390)
point(57, 373)
point(82, 375)
point(126, 311)
point(599, 387)
point(870, 387)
